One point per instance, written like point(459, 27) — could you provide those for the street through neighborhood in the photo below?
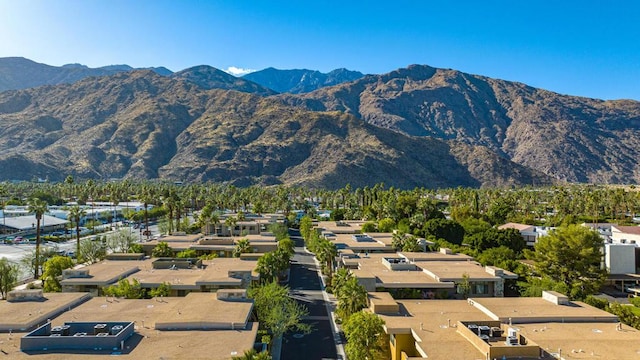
point(306, 288)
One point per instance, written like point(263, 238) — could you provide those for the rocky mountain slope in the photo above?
point(568, 138)
point(300, 80)
point(208, 77)
point(141, 125)
point(20, 73)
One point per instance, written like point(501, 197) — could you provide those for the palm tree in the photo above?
point(339, 279)
point(242, 247)
point(76, 213)
point(146, 196)
point(231, 222)
point(3, 194)
point(327, 252)
point(352, 298)
point(205, 218)
point(170, 200)
point(253, 355)
point(398, 239)
point(215, 220)
point(38, 207)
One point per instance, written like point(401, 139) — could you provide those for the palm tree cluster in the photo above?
point(352, 297)
point(274, 264)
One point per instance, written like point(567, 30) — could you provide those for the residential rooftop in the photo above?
point(433, 324)
point(435, 256)
point(193, 311)
point(519, 227)
point(398, 271)
point(341, 227)
point(218, 271)
point(551, 323)
point(189, 238)
point(229, 333)
point(20, 316)
point(592, 340)
point(530, 309)
point(635, 230)
point(103, 273)
point(362, 242)
point(373, 266)
point(456, 270)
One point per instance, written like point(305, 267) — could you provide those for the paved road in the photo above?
point(306, 288)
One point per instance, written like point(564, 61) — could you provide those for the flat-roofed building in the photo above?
point(219, 273)
point(392, 273)
point(177, 243)
point(340, 227)
point(363, 243)
point(198, 326)
point(240, 228)
point(622, 257)
point(432, 277)
point(183, 275)
point(427, 329)
point(444, 254)
point(222, 246)
point(25, 309)
point(96, 276)
point(490, 328)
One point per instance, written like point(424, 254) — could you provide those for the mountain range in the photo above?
point(301, 81)
point(417, 126)
point(20, 73)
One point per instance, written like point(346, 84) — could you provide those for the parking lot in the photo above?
point(15, 252)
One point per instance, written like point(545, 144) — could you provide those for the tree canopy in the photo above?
point(8, 276)
point(570, 257)
point(364, 332)
point(277, 312)
point(492, 238)
point(162, 250)
point(448, 230)
point(125, 289)
point(53, 270)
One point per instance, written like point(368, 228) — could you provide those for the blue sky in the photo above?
point(586, 48)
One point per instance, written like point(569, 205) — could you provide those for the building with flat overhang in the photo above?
point(183, 275)
point(363, 243)
point(240, 228)
point(444, 254)
point(177, 243)
point(94, 277)
point(387, 272)
point(550, 327)
point(340, 227)
point(429, 277)
point(210, 276)
point(25, 309)
point(222, 246)
point(198, 326)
